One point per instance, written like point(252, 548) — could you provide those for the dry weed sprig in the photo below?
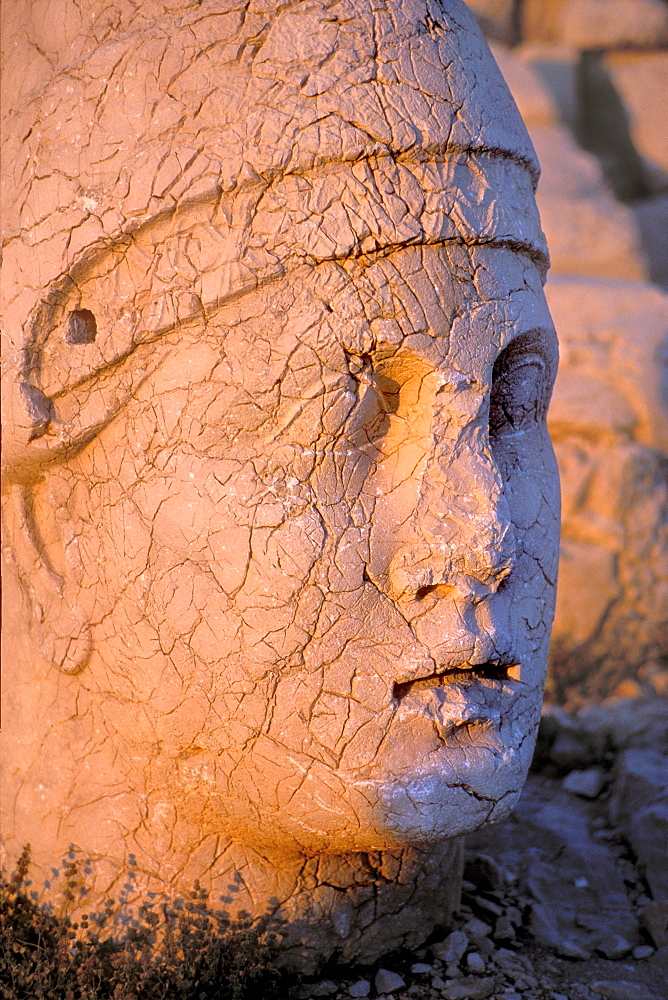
point(186, 950)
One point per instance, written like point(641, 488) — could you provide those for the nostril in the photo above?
point(470, 588)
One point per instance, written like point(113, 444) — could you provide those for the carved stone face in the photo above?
point(299, 486)
point(321, 535)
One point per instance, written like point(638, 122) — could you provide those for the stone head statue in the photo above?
point(281, 503)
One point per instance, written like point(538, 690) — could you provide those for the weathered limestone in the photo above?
point(282, 510)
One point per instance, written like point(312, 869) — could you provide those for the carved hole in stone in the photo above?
point(81, 327)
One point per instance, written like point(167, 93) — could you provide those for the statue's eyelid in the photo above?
point(516, 365)
point(530, 358)
point(527, 348)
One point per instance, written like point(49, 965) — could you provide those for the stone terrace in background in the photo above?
point(590, 78)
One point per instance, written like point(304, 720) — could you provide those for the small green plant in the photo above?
point(187, 951)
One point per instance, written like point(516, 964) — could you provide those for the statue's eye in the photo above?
point(518, 394)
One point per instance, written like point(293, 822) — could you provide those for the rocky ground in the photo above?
point(568, 898)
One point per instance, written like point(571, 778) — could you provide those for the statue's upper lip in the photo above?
point(465, 672)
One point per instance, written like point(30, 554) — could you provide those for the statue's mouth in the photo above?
point(463, 674)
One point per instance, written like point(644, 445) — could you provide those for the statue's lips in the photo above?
point(476, 699)
point(463, 676)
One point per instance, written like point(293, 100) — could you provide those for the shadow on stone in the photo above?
point(603, 128)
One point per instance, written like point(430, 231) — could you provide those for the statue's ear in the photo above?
point(70, 380)
point(57, 400)
point(58, 622)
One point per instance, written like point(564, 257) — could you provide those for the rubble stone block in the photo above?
point(497, 18)
point(556, 65)
point(641, 81)
point(639, 803)
point(325, 988)
point(472, 988)
point(652, 220)
point(484, 872)
point(387, 981)
point(588, 231)
point(603, 24)
point(620, 118)
point(620, 724)
point(532, 96)
point(609, 424)
point(640, 779)
point(570, 750)
point(452, 948)
point(588, 784)
point(541, 21)
point(578, 898)
point(655, 921)
point(622, 989)
point(581, 562)
point(648, 836)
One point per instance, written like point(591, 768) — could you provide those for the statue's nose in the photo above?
point(458, 538)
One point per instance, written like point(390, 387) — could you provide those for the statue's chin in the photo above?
point(430, 808)
point(453, 761)
point(449, 760)
point(417, 808)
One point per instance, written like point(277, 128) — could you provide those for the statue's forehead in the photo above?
point(406, 72)
point(413, 75)
point(349, 125)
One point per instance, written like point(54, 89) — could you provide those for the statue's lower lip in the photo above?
point(463, 674)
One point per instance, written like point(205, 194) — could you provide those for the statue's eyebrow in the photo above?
point(533, 251)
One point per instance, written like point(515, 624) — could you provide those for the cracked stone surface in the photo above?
point(282, 509)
